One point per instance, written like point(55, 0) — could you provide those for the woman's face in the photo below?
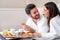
point(46, 12)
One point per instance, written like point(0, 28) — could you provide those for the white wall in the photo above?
point(23, 3)
point(11, 18)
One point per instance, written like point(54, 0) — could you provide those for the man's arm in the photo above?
point(28, 28)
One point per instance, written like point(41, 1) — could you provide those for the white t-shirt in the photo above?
point(55, 22)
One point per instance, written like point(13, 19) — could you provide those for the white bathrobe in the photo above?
point(55, 22)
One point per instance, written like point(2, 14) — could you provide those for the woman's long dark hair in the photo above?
point(53, 10)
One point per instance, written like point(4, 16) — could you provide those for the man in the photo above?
point(36, 23)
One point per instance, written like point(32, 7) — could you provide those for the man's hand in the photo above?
point(28, 28)
point(24, 26)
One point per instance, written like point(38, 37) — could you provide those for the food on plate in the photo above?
point(7, 34)
point(10, 35)
point(25, 34)
point(21, 33)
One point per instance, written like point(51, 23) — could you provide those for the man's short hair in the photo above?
point(29, 7)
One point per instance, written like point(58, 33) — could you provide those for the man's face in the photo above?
point(34, 13)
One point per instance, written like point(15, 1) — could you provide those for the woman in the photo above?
point(52, 13)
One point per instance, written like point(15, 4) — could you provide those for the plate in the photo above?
point(21, 37)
